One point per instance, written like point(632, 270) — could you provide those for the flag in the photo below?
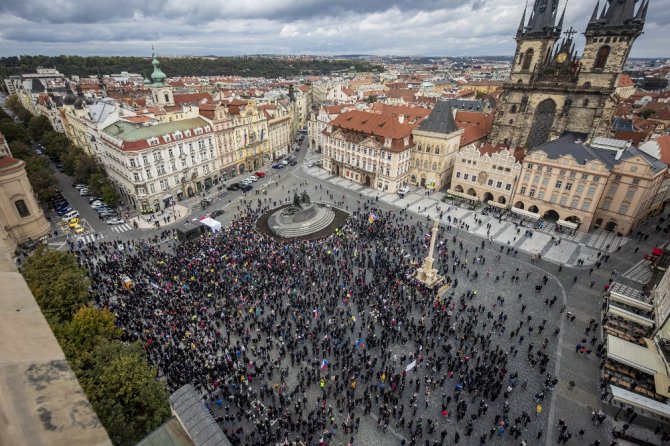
point(360, 343)
point(372, 218)
point(324, 364)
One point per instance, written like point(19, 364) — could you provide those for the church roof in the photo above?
point(440, 120)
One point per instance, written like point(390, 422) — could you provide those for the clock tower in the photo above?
point(551, 91)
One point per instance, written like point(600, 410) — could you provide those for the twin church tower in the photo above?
point(551, 91)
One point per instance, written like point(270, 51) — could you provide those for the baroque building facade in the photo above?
point(551, 91)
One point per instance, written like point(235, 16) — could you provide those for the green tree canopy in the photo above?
point(58, 283)
point(13, 131)
point(124, 392)
point(88, 327)
point(38, 126)
point(41, 177)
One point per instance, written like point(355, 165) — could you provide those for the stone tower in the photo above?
point(551, 91)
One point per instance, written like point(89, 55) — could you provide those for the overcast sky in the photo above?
point(232, 27)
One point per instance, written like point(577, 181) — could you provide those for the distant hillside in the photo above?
point(186, 66)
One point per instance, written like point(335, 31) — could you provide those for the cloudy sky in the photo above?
point(231, 27)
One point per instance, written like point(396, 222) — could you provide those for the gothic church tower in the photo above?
point(551, 91)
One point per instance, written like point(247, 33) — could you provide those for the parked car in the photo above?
point(64, 211)
point(73, 222)
point(83, 192)
point(278, 166)
point(233, 186)
point(78, 229)
point(81, 186)
point(246, 187)
point(253, 179)
point(109, 214)
point(260, 174)
point(60, 167)
point(293, 163)
point(92, 199)
point(97, 203)
point(70, 215)
point(115, 221)
point(403, 190)
point(216, 213)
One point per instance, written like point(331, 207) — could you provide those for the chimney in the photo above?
point(401, 119)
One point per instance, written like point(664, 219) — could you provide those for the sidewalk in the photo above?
point(558, 248)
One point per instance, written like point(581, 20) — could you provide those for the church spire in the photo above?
point(522, 25)
point(543, 20)
point(594, 16)
point(560, 22)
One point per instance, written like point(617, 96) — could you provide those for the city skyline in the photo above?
point(398, 27)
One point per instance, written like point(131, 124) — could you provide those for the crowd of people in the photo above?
point(329, 341)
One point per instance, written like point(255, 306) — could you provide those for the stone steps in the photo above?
point(317, 225)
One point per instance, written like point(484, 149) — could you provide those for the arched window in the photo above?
point(528, 59)
point(425, 165)
point(512, 109)
point(167, 97)
point(437, 150)
point(428, 148)
point(434, 166)
point(601, 58)
point(22, 208)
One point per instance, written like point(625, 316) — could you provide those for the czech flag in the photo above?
point(324, 364)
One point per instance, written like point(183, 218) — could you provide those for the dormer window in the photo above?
point(167, 138)
point(387, 142)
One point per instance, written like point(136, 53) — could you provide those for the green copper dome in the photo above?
point(158, 76)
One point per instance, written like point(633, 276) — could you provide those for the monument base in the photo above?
point(429, 277)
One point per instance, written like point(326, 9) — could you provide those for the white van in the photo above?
point(70, 215)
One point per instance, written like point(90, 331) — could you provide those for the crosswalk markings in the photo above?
point(91, 238)
point(121, 228)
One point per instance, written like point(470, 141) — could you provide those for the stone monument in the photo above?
point(301, 218)
point(427, 274)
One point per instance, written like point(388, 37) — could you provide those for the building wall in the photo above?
point(433, 158)
point(15, 187)
point(251, 136)
point(280, 136)
point(628, 196)
point(561, 185)
point(367, 162)
point(177, 170)
point(479, 175)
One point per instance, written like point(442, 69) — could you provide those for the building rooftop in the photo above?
point(42, 402)
point(135, 136)
point(440, 120)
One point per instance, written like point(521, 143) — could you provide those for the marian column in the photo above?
point(427, 274)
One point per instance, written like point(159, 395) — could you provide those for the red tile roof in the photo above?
point(625, 81)
point(7, 162)
point(476, 125)
point(664, 148)
point(192, 98)
point(377, 125)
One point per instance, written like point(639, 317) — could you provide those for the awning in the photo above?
point(462, 195)
point(167, 196)
point(630, 301)
point(637, 400)
point(662, 384)
point(640, 320)
point(495, 204)
point(636, 356)
point(526, 214)
point(567, 224)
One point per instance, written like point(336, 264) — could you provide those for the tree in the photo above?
point(42, 178)
point(110, 195)
point(88, 327)
point(59, 284)
point(645, 114)
point(55, 145)
point(124, 392)
point(38, 126)
point(13, 131)
point(371, 99)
